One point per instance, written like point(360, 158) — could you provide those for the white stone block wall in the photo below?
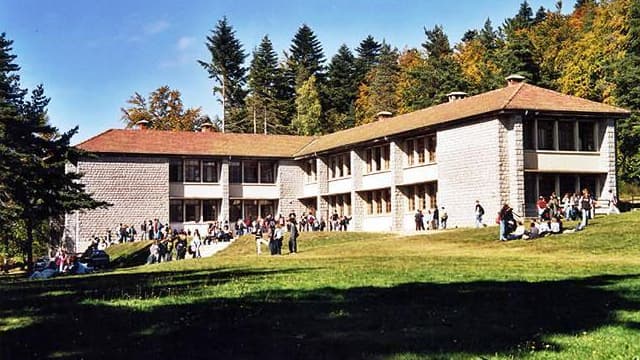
point(323, 187)
point(357, 203)
point(468, 157)
point(608, 157)
point(224, 182)
point(290, 183)
point(398, 200)
point(513, 151)
point(138, 188)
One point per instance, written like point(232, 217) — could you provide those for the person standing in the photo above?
point(195, 244)
point(443, 219)
point(613, 203)
point(419, 220)
point(585, 206)
point(259, 239)
point(293, 236)
point(479, 213)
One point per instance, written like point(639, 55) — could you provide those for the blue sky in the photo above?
point(92, 56)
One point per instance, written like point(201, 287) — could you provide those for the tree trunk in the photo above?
point(28, 247)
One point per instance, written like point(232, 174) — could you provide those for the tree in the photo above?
point(368, 56)
point(33, 157)
point(342, 89)
point(517, 53)
point(306, 55)
point(307, 121)
point(227, 71)
point(628, 95)
point(164, 111)
point(378, 91)
point(264, 79)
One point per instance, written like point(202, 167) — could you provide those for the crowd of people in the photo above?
point(551, 212)
point(431, 219)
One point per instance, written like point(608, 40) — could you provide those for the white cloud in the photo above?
point(185, 42)
point(156, 27)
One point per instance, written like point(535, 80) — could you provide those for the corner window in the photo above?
point(235, 172)
point(209, 210)
point(175, 170)
point(267, 172)
point(545, 135)
point(587, 138)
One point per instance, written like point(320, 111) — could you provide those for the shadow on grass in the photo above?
point(437, 320)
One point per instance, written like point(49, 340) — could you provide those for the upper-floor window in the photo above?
point(210, 171)
point(175, 170)
point(421, 150)
point(252, 172)
point(339, 165)
point(377, 158)
point(311, 170)
point(563, 135)
point(193, 170)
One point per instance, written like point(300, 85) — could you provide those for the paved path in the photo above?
point(209, 250)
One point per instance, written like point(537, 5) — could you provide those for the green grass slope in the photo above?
point(457, 294)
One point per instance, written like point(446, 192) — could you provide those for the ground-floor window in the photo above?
point(193, 210)
point(340, 203)
point(543, 184)
point(377, 201)
point(421, 196)
point(245, 209)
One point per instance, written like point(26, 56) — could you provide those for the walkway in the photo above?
point(210, 250)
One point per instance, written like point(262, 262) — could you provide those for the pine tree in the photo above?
point(306, 55)
point(227, 71)
point(517, 53)
point(368, 56)
point(309, 110)
point(34, 186)
point(378, 91)
point(341, 89)
point(264, 79)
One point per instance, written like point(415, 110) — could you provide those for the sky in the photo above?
point(91, 56)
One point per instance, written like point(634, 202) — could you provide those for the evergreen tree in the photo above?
point(306, 55)
point(437, 43)
point(541, 14)
point(307, 121)
point(164, 110)
point(517, 53)
point(628, 95)
point(368, 56)
point(342, 89)
point(34, 186)
point(378, 91)
point(226, 69)
point(264, 79)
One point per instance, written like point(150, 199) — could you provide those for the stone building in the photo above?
point(506, 145)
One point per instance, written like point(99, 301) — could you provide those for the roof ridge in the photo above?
point(510, 98)
point(94, 136)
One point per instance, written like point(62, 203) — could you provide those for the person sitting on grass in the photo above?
point(518, 232)
point(533, 232)
point(50, 271)
point(556, 225)
point(154, 253)
point(544, 228)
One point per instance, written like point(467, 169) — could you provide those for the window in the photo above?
point(410, 152)
point(377, 158)
point(251, 209)
point(175, 170)
point(340, 203)
point(420, 149)
point(378, 201)
point(421, 196)
point(545, 135)
point(250, 171)
point(567, 184)
point(210, 170)
point(411, 198)
point(175, 211)
point(311, 170)
point(586, 136)
point(339, 165)
point(267, 207)
point(267, 172)
point(235, 210)
point(192, 170)
point(235, 172)
point(209, 210)
point(566, 135)
point(192, 210)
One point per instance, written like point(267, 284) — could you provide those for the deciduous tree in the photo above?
point(163, 110)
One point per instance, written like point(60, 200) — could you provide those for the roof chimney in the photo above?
point(142, 125)
point(383, 115)
point(514, 79)
point(206, 127)
point(456, 95)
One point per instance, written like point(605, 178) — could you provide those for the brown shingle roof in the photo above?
point(511, 98)
point(516, 97)
point(194, 143)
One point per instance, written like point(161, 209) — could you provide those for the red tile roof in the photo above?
point(194, 143)
point(511, 98)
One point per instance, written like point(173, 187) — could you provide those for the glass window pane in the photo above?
point(545, 135)
point(589, 182)
point(267, 172)
point(251, 209)
point(210, 169)
point(377, 158)
point(175, 211)
point(420, 148)
point(431, 148)
point(566, 135)
point(175, 170)
point(192, 210)
point(547, 185)
point(411, 197)
point(587, 141)
point(347, 164)
point(385, 157)
point(210, 210)
point(530, 195)
point(267, 207)
point(567, 184)
point(192, 170)
point(250, 171)
point(235, 210)
point(529, 128)
point(235, 172)
point(410, 152)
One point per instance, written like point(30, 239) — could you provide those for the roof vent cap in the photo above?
point(206, 127)
point(142, 125)
point(383, 115)
point(515, 79)
point(456, 95)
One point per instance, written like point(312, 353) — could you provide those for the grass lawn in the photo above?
point(458, 294)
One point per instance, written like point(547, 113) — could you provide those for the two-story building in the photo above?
point(506, 145)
